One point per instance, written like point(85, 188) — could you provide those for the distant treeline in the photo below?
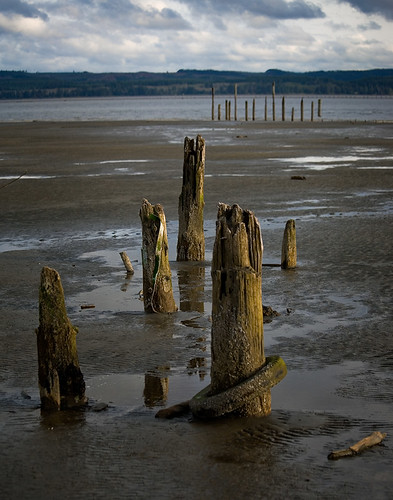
point(24, 85)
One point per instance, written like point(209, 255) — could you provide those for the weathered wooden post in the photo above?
point(319, 108)
point(235, 101)
point(253, 110)
point(246, 111)
point(265, 108)
point(274, 100)
point(219, 112)
point(288, 250)
point(212, 103)
point(283, 109)
point(301, 110)
point(157, 277)
point(312, 111)
point(229, 110)
point(241, 377)
point(60, 379)
point(293, 114)
point(127, 263)
point(191, 238)
point(226, 109)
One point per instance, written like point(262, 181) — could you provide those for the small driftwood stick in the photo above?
point(13, 180)
point(369, 441)
point(127, 262)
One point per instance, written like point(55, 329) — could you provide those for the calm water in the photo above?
point(192, 108)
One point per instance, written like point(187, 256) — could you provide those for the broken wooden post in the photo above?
point(127, 263)
point(191, 238)
point(60, 379)
point(157, 277)
point(241, 377)
point(288, 250)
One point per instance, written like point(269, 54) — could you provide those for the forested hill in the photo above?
point(22, 85)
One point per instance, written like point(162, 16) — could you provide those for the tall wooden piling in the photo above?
point(274, 101)
point(212, 103)
point(60, 379)
point(157, 277)
point(191, 238)
point(265, 108)
point(253, 110)
point(283, 109)
point(319, 108)
point(246, 111)
point(219, 112)
point(235, 101)
point(237, 316)
point(301, 110)
point(288, 250)
point(312, 111)
point(293, 114)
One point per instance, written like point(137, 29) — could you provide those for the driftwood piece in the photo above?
point(127, 262)
point(237, 315)
point(60, 379)
point(369, 441)
point(191, 238)
point(157, 277)
point(288, 251)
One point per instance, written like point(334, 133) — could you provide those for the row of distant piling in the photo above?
point(227, 112)
point(241, 375)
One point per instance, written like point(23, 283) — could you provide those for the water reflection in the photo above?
point(191, 286)
point(156, 390)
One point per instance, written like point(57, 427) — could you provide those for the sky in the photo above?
point(168, 35)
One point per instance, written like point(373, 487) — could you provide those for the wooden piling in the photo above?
point(288, 250)
point(274, 101)
point(283, 109)
point(265, 109)
point(253, 110)
point(229, 110)
point(293, 114)
point(60, 379)
point(219, 112)
point(191, 238)
point(319, 108)
point(237, 315)
point(157, 277)
point(235, 101)
point(312, 111)
point(301, 110)
point(226, 109)
point(212, 103)
point(246, 111)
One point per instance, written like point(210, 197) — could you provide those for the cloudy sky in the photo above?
point(166, 35)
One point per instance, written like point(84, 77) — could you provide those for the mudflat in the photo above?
point(76, 206)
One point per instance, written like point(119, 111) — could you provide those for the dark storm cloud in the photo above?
point(276, 9)
point(382, 7)
point(21, 8)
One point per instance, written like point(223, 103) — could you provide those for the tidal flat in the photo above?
point(76, 206)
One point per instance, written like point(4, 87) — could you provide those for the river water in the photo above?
point(194, 108)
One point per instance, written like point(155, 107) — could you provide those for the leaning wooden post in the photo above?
point(60, 379)
point(241, 377)
point(127, 263)
point(157, 277)
point(288, 251)
point(212, 103)
point(274, 101)
point(191, 238)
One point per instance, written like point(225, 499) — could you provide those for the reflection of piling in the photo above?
point(240, 378)
point(191, 238)
point(191, 288)
point(59, 376)
point(156, 390)
point(157, 277)
point(288, 251)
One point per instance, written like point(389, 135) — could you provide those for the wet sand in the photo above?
point(77, 207)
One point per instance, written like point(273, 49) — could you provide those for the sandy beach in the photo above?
point(76, 207)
